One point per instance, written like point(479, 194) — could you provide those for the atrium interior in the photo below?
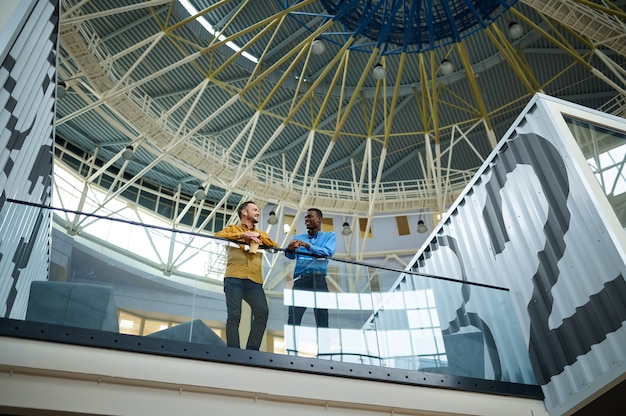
point(467, 154)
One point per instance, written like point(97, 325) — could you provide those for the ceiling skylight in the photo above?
point(193, 11)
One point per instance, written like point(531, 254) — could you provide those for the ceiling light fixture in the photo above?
point(421, 226)
point(447, 67)
point(516, 30)
point(379, 72)
point(128, 153)
point(61, 89)
point(200, 193)
point(272, 219)
point(318, 47)
point(346, 229)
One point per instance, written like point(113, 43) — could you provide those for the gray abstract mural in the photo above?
point(26, 145)
point(528, 222)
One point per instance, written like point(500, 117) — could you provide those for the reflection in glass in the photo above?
point(605, 151)
point(412, 325)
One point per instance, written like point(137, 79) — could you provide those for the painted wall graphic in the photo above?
point(28, 80)
point(552, 349)
point(534, 220)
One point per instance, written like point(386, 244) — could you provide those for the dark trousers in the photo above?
point(237, 290)
point(315, 282)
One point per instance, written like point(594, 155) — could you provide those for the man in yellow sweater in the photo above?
point(243, 279)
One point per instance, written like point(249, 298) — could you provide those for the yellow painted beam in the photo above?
point(195, 16)
point(505, 48)
point(471, 79)
point(238, 53)
point(372, 59)
point(418, 103)
point(468, 109)
point(266, 50)
point(343, 63)
point(372, 122)
point(288, 56)
point(435, 95)
point(551, 38)
point(365, 112)
point(425, 96)
point(269, 21)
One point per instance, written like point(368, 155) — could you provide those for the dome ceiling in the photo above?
point(414, 26)
point(278, 101)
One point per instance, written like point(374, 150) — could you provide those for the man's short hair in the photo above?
point(318, 211)
point(244, 206)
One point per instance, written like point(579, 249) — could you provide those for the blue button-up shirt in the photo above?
point(322, 244)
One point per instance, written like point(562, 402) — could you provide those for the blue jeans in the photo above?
point(237, 290)
point(316, 282)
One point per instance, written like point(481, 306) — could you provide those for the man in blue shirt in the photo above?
point(311, 251)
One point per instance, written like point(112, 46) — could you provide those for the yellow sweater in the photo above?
point(240, 263)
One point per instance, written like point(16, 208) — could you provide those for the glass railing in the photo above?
point(377, 316)
point(403, 320)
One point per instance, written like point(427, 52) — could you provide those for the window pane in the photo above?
point(288, 219)
point(129, 324)
point(151, 326)
point(362, 226)
point(403, 225)
point(328, 225)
